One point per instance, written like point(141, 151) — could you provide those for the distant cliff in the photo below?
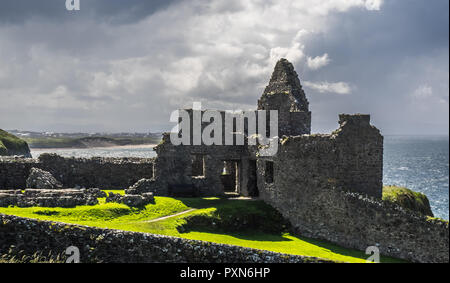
point(12, 145)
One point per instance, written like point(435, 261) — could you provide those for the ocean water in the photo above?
point(420, 163)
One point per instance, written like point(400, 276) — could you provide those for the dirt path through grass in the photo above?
point(170, 216)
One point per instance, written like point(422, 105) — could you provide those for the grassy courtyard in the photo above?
point(244, 223)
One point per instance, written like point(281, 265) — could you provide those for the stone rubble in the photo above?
point(142, 186)
point(41, 179)
point(50, 198)
point(131, 200)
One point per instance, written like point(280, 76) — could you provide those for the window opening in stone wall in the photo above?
point(269, 172)
point(230, 176)
point(198, 165)
point(252, 186)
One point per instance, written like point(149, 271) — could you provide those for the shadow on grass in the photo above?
point(265, 228)
point(273, 238)
point(200, 203)
point(234, 216)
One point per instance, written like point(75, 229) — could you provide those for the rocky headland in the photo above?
point(11, 145)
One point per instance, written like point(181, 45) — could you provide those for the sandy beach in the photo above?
point(135, 146)
point(141, 150)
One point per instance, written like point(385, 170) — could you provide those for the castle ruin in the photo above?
point(328, 186)
point(351, 158)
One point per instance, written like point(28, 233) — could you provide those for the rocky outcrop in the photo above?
point(40, 179)
point(11, 145)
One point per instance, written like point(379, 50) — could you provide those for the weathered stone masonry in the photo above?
point(329, 186)
point(354, 221)
point(352, 156)
point(113, 246)
point(315, 196)
point(97, 172)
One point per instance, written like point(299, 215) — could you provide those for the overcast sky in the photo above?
point(126, 65)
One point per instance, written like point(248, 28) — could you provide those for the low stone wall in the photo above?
point(14, 171)
point(96, 172)
point(105, 245)
point(354, 221)
point(50, 198)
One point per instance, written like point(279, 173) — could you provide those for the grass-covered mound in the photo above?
point(12, 145)
point(236, 222)
point(234, 216)
point(408, 199)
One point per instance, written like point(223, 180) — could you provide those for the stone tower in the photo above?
point(285, 94)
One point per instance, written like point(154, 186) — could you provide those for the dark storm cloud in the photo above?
point(121, 65)
point(399, 29)
point(386, 55)
point(114, 11)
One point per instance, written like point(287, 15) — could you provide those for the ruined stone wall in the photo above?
point(353, 221)
point(299, 123)
point(319, 185)
point(14, 171)
point(50, 198)
point(97, 172)
point(173, 166)
point(105, 245)
point(351, 158)
point(359, 149)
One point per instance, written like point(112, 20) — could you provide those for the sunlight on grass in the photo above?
point(213, 219)
point(102, 214)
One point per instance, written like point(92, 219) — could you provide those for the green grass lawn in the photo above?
point(244, 223)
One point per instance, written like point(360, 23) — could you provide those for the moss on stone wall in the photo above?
point(12, 145)
point(408, 199)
